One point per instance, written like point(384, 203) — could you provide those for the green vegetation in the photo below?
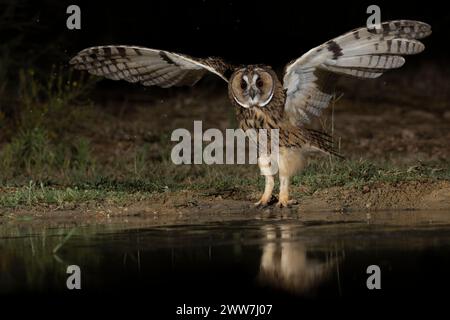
point(353, 173)
point(120, 189)
point(41, 130)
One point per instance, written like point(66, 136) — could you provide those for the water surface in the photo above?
point(284, 262)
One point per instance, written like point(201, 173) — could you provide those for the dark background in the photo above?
point(270, 32)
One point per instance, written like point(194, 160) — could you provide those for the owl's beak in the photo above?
point(252, 93)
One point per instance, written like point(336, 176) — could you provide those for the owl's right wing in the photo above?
point(362, 53)
point(148, 66)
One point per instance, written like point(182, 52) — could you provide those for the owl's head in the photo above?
point(252, 86)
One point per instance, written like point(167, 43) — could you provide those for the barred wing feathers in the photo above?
point(147, 66)
point(361, 53)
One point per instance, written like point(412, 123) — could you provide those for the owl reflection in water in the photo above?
point(260, 98)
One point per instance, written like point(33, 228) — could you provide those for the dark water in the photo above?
point(285, 263)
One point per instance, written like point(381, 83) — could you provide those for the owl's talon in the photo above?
point(261, 203)
point(286, 203)
point(265, 201)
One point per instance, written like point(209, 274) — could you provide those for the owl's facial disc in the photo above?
point(252, 87)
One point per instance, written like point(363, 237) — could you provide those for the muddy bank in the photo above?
point(186, 207)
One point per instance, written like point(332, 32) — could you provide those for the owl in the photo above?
point(261, 99)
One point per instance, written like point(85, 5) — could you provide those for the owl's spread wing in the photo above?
point(361, 53)
point(148, 66)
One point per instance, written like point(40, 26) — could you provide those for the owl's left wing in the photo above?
point(362, 53)
point(148, 66)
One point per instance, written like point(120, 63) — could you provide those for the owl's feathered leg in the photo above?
point(265, 168)
point(283, 200)
point(291, 161)
point(267, 195)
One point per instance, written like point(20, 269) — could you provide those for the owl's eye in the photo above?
point(259, 83)
point(243, 85)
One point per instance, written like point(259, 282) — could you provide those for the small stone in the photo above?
point(366, 189)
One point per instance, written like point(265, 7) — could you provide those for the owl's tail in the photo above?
point(322, 141)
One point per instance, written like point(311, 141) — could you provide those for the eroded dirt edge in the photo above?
point(187, 207)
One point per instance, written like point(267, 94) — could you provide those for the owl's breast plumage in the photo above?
point(271, 117)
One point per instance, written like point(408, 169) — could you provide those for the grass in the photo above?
point(62, 198)
point(41, 133)
point(357, 173)
point(203, 179)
